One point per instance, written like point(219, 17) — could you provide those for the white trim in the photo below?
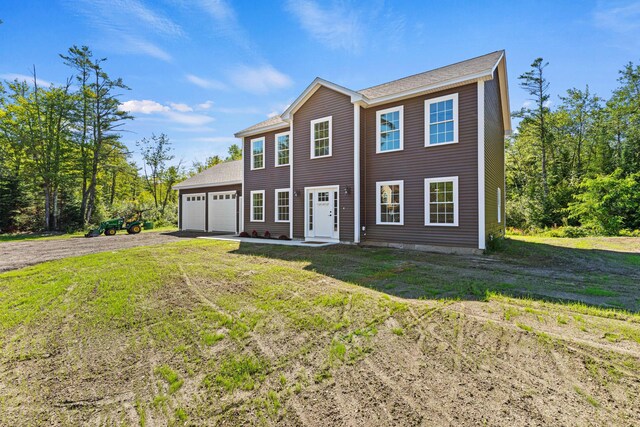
point(427, 206)
point(264, 151)
point(213, 184)
point(241, 228)
point(312, 88)
point(482, 240)
point(356, 173)
point(427, 119)
point(291, 179)
point(400, 110)
point(335, 238)
point(264, 204)
point(275, 204)
point(275, 144)
point(499, 204)
point(261, 130)
point(379, 184)
point(312, 136)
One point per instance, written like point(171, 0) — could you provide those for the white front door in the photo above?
point(322, 213)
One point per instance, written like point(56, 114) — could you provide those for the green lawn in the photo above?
point(204, 331)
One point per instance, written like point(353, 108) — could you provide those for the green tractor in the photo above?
point(111, 226)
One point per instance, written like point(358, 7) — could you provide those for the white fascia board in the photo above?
point(260, 130)
point(211, 184)
point(312, 88)
point(504, 96)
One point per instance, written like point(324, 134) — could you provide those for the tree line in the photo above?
point(575, 163)
point(63, 165)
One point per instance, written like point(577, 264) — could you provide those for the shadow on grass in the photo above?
point(520, 269)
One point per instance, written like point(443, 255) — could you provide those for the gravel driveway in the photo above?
point(14, 255)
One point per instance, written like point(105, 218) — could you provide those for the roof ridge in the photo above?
point(431, 70)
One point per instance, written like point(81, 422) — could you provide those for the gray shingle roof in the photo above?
point(456, 71)
point(272, 121)
point(220, 174)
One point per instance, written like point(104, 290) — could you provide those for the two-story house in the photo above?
point(417, 162)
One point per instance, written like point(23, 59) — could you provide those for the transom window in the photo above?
point(390, 202)
point(257, 206)
point(389, 134)
point(282, 149)
point(442, 120)
point(257, 153)
point(321, 137)
point(441, 200)
point(282, 205)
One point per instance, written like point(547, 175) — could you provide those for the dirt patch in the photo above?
point(14, 255)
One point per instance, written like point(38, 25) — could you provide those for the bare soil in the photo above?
point(19, 254)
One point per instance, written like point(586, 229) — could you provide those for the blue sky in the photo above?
point(200, 70)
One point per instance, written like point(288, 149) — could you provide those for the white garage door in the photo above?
point(222, 211)
point(193, 211)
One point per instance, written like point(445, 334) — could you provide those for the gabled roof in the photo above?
point(460, 73)
point(225, 173)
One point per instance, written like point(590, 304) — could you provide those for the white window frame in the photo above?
point(264, 203)
point(264, 158)
point(427, 119)
point(427, 205)
point(499, 205)
point(312, 136)
point(379, 204)
point(275, 143)
point(400, 109)
point(276, 212)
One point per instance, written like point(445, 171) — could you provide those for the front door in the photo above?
point(322, 213)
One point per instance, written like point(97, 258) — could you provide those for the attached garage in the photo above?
point(210, 201)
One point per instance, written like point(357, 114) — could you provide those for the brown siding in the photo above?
point(494, 157)
point(334, 170)
point(211, 189)
point(417, 162)
point(268, 179)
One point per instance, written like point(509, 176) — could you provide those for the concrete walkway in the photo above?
point(299, 243)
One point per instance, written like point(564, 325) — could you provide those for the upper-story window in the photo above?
point(257, 153)
point(441, 117)
point(389, 133)
point(321, 137)
point(282, 148)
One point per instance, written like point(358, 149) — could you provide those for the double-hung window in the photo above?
point(441, 201)
point(257, 153)
point(390, 202)
point(389, 133)
point(257, 206)
point(282, 205)
point(321, 137)
point(441, 120)
point(282, 148)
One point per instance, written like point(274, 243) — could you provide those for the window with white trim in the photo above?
point(282, 205)
point(499, 205)
point(282, 148)
point(257, 153)
point(441, 201)
point(389, 129)
point(441, 120)
point(321, 137)
point(257, 206)
point(390, 203)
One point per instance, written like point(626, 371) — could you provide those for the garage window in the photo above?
point(282, 205)
point(257, 153)
point(257, 206)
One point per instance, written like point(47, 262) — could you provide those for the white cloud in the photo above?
point(127, 25)
point(205, 105)
point(273, 114)
point(144, 106)
point(183, 108)
point(226, 21)
point(23, 77)
point(259, 80)
point(176, 113)
point(336, 26)
point(205, 83)
point(619, 19)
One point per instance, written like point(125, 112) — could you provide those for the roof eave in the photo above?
point(244, 133)
point(312, 88)
point(214, 184)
